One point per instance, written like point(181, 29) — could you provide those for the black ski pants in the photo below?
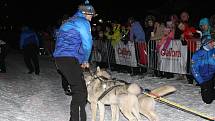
point(31, 58)
point(72, 71)
point(208, 91)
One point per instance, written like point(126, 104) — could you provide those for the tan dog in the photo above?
point(116, 97)
point(122, 97)
point(147, 103)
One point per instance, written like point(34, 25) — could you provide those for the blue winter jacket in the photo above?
point(74, 39)
point(203, 65)
point(28, 37)
point(137, 33)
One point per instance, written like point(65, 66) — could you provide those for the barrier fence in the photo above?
point(173, 56)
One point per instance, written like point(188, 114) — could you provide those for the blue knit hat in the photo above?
point(204, 21)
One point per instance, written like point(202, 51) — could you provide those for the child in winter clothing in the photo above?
point(203, 70)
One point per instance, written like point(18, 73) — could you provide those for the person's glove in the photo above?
point(85, 65)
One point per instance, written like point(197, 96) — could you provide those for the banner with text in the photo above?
point(125, 54)
point(173, 58)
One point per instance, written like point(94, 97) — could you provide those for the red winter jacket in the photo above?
point(189, 37)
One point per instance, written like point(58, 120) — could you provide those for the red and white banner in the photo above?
point(173, 58)
point(125, 54)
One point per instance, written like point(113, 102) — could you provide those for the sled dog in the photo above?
point(122, 91)
point(121, 96)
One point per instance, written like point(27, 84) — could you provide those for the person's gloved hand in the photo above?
point(85, 65)
point(68, 91)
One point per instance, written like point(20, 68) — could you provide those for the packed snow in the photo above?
point(29, 97)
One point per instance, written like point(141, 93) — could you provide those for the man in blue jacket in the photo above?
point(72, 52)
point(29, 43)
point(203, 69)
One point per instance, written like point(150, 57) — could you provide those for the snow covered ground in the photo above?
point(26, 97)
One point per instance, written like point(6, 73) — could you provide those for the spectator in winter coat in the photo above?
point(149, 27)
point(203, 70)
point(164, 43)
point(189, 36)
point(156, 36)
point(136, 31)
point(205, 28)
point(29, 43)
point(158, 31)
point(137, 35)
point(116, 37)
point(72, 52)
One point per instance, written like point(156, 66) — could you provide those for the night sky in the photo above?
point(44, 12)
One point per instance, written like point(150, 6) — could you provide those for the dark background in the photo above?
point(42, 13)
